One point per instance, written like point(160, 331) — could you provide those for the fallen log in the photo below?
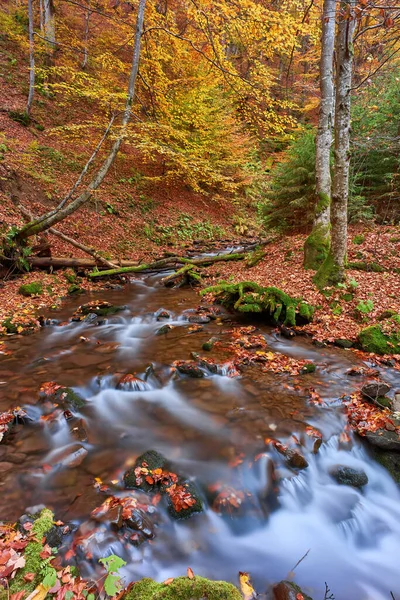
point(66, 262)
point(173, 262)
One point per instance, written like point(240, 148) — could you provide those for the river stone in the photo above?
point(185, 512)
point(296, 460)
point(389, 460)
point(150, 460)
point(189, 368)
point(287, 590)
point(386, 440)
point(162, 314)
point(349, 476)
point(343, 343)
point(164, 329)
point(199, 319)
point(374, 389)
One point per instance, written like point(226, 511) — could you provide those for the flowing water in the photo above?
point(213, 430)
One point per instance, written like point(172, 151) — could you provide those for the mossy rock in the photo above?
point(390, 461)
point(185, 513)
point(25, 327)
point(343, 343)
point(65, 397)
point(183, 588)
point(31, 289)
point(43, 523)
point(364, 266)
point(308, 368)
point(208, 346)
point(249, 297)
point(383, 338)
point(98, 307)
point(152, 460)
point(75, 290)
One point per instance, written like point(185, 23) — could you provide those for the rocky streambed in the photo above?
point(171, 434)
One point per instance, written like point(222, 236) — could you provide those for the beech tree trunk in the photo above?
point(55, 216)
point(50, 25)
point(316, 247)
point(31, 60)
point(333, 269)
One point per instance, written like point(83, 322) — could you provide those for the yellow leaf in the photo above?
point(39, 594)
point(246, 587)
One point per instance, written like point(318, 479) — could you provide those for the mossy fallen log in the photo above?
point(183, 588)
point(249, 297)
point(173, 262)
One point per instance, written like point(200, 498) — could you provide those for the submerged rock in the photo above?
point(100, 308)
point(183, 588)
point(287, 590)
point(349, 476)
point(65, 397)
point(189, 368)
point(162, 314)
point(374, 389)
point(131, 383)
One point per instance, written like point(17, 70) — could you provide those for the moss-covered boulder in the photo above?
point(249, 297)
point(152, 473)
point(31, 289)
point(65, 397)
point(22, 325)
point(382, 338)
point(100, 308)
point(183, 588)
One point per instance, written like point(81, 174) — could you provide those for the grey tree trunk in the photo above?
point(50, 24)
point(31, 60)
point(333, 269)
point(86, 42)
point(52, 217)
point(316, 247)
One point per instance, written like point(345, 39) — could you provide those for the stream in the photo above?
point(213, 429)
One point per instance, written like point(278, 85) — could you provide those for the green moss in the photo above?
point(359, 239)
point(31, 289)
point(249, 297)
point(323, 202)
point(316, 247)
point(309, 368)
point(183, 588)
point(329, 273)
point(75, 289)
point(376, 339)
point(41, 526)
point(384, 401)
point(153, 460)
point(364, 266)
point(209, 344)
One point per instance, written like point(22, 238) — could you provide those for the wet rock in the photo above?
point(287, 590)
point(287, 332)
point(199, 319)
point(140, 522)
point(374, 389)
point(308, 368)
point(294, 457)
point(162, 314)
point(164, 329)
point(56, 536)
point(189, 368)
point(98, 307)
point(16, 458)
point(209, 344)
point(131, 383)
point(150, 460)
point(71, 457)
point(6, 466)
point(184, 500)
point(90, 318)
point(383, 439)
point(343, 343)
point(349, 476)
point(389, 460)
point(65, 397)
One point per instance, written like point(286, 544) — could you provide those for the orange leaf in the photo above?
point(168, 581)
point(190, 573)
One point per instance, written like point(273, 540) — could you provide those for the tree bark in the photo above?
point(333, 269)
point(316, 247)
point(31, 60)
point(51, 218)
point(61, 262)
point(50, 25)
point(86, 42)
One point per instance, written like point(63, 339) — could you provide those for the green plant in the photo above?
point(365, 307)
point(112, 583)
point(20, 117)
point(359, 239)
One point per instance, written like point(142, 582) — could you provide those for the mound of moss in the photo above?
point(31, 289)
point(43, 523)
point(183, 588)
point(382, 338)
point(249, 297)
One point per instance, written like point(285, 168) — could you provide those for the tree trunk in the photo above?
point(333, 269)
point(86, 42)
point(50, 25)
point(316, 247)
point(46, 221)
point(31, 60)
